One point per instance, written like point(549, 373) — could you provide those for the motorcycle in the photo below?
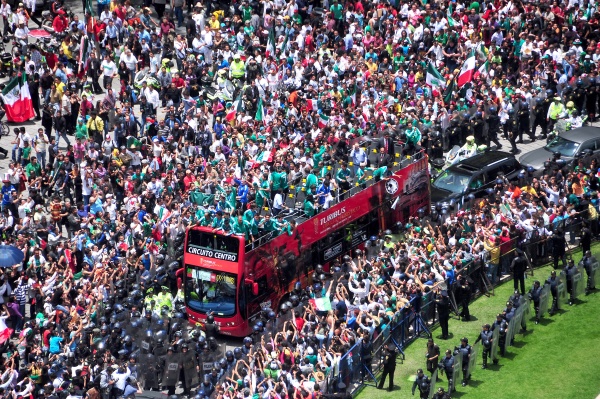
point(458, 154)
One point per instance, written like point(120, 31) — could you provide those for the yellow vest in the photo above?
point(237, 69)
point(555, 110)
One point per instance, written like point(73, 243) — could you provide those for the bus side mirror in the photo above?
point(179, 283)
point(253, 284)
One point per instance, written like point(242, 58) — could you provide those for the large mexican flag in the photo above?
point(17, 100)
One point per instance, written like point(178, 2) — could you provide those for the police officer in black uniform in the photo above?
point(579, 94)
point(447, 366)
point(211, 329)
point(539, 117)
point(465, 128)
point(534, 294)
point(485, 336)
point(453, 131)
point(502, 325)
point(423, 383)
point(511, 128)
point(493, 121)
point(587, 262)
point(432, 355)
point(441, 394)
point(518, 267)
point(464, 289)
point(553, 282)
point(465, 350)
point(478, 125)
point(389, 366)
point(443, 307)
point(591, 99)
point(524, 122)
point(570, 271)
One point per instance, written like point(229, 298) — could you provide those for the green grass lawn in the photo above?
point(554, 359)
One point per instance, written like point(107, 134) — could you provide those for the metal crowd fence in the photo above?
point(356, 368)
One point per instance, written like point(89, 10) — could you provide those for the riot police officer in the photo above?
point(518, 267)
point(570, 271)
point(465, 350)
point(453, 132)
point(211, 329)
point(534, 294)
point(553, 282)
point(465, 128)
point(493, 121)
point(423, 383)
point(441, 394)
point(478, 124)
point(539, 117)
point(502, 325)
point(464, 289)
point(485, 336)
point(512, 130)
point(591, 99)
point(524, 121)
point(579, 94)
point(587, 262)
point(447, 366)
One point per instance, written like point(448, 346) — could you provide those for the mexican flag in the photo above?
point(260, 112)
point(451, 21)
point(323, 121)
point(85, 48)
point(238, 106)
point(312, 105)
point(449, 93)
point(321, 304)
point(17, 100)
point(271, 49)
point(483, 70)
point(434, 78)
point(467, 71)
point(482, 51)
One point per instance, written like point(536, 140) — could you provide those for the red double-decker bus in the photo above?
point(233, 279)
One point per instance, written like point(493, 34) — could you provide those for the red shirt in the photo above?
point(59, 24)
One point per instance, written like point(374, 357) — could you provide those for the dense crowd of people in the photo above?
point(155, 119)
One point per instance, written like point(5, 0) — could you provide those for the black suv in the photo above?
point(451, 189)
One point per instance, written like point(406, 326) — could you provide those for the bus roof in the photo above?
point(357, 202)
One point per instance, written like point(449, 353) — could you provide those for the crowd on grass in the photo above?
point(238, 101)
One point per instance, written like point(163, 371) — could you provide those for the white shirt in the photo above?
point(109, 68)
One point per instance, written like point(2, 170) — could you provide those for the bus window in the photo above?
point(210, 291)
point(212, 241)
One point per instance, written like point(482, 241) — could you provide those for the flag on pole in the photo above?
point(85, 49)
point(17, 100)
point(467, 71)
point(89, 8)
point(271, 49)
point(321, 304)
point(449, 92)
point(323, 121)
point(433, 77)
point(238, 106)
point(352, 93)
point(483, 70)
point(260, 112)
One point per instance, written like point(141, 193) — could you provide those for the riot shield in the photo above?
point(189, 364)
point(171, 369)
point(473, 359)
point(160, 351)
point(526, 305)
point(510, 332)
point(146, 342)
point(494, 350)
point(593, 277)
point(517, 320)
point(433, 383)
point(148, 371)
point(544, 301)
point(207, 359)
point(562, 296)
point(578, 283)
point(457, 370)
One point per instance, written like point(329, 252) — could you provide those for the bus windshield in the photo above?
point(210, 291)
point(213, 245)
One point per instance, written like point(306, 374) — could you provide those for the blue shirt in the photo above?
point(6, 194)
point(242, 192)
point(55, 345)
